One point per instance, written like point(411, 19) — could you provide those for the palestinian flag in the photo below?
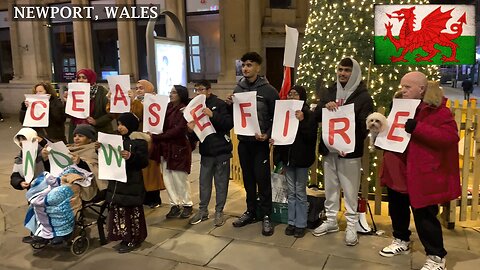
point(424, 34)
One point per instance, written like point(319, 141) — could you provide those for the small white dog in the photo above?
point(376, 123)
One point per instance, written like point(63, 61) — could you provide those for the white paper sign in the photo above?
point(29, 156)
point(285, 124)
point(154, 110)
point(119, 86)
point(59, 157)
point(193, 112)
point(111, 165)
point(78, 100)
point(394, 137)
point(291, 42)
point(37, 114)
point(338, 129)
point(245, 119)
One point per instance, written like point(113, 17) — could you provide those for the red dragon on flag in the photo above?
point(427, 37)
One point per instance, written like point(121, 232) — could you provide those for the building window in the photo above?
point(160, 31)
point(105, 48)
point(6, 64)
point(203, 30)
point(195, 62)
point(283, 4)
point(63, 49)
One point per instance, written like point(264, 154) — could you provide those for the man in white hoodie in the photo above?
point(343, 170)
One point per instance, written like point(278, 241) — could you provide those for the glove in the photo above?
point(410, 125)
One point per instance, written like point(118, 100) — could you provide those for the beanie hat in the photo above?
point(90, 74)
point(28, 133)
point(130, 121)
point(182, 92)
point(87, 131)
point(148, 86)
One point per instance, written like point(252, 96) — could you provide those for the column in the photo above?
point(82, 36)
point(127, 45)
point(30, 49)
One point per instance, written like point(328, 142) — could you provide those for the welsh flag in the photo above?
point(424, 34)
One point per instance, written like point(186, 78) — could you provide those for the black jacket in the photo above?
point(301, 153)
point(218, 144)
point(266, 97)
point(56, 120)
point(363, 106)
point(132, 192)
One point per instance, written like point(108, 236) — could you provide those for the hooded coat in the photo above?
point(433, 174)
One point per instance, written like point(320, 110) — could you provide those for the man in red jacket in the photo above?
point(425, 175)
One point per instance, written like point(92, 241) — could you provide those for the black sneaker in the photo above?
point(267, 227)
point(187, 212)
point(58, 241)
point(27, 239)
point(245, 219)
point(174, 212)
point(299, 232)
point(290, 230)
point(125, 248)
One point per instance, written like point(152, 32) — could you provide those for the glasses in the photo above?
point(293, 94)
point(199, 89)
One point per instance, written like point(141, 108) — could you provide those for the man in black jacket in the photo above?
point(254, 151)
point(215, 151)
point(343, 171)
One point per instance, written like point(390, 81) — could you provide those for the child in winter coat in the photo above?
point(17, 178)
point(126, 219)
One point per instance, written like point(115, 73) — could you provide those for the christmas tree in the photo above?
point(339, 29)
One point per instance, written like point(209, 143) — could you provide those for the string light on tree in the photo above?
point(339, 29)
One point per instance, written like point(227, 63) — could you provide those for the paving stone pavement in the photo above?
point(174, 244)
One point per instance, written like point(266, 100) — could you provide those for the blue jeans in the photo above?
point(297, 196)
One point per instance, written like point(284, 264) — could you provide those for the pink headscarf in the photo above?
point(90, 74)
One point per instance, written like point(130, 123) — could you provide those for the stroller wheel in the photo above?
point(79, 245)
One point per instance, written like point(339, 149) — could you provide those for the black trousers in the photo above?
point(428, 226)
point(255, 162)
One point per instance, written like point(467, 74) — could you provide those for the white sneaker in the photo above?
point(351, 237)
point(326, 227)
point(397, 247)
point(434, 263)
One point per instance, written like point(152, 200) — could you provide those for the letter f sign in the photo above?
point(244, 114)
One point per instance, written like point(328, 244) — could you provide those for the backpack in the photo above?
point(316, 205)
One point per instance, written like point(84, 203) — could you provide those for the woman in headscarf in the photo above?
point(296, 159)
point(99, 117)
point(172, 149)
point(152, 175)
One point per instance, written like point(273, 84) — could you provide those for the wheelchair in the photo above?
point(78, 241)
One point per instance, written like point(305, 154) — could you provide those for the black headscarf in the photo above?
point(130, 121)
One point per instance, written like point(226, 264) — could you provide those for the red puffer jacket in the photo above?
point(433, 174)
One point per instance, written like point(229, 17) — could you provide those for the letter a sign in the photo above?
point(338, 129)
point(119, 86)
